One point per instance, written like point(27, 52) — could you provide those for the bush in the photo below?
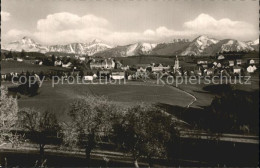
point(234, 111)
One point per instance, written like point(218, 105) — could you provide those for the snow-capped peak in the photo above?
point(235, 45)
point(29, 45)
point(27, 40)
point(256, 42)
point(202, 42)
point(96, 41)
point(205, 40)
point(140, 48)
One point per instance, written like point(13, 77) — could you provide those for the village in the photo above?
point(89, 68)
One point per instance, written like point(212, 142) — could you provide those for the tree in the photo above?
point(89, 122)
point(39, 125)
point(8, 117)
point(233, 111)
point(53, 59)
point(9, 55)
point(145, 131)
point(27, 88)
point(23, 54)
point(41, 75)
point(81, 73)
point(47, 62)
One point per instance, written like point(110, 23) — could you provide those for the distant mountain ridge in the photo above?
point(30, 45)
point(202, 45)
point(198, 45)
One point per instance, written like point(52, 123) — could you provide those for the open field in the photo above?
point(14, 66)
point(57, 99)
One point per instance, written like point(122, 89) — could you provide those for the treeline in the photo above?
point(142, 131)
point(233, 111)
point(22, 54)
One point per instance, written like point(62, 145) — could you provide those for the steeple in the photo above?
point(176, 64)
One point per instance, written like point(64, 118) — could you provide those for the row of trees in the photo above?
point(22, 54)
point(141, 130)
point(234, 111)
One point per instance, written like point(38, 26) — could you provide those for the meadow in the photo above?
point(58, 98)
point(14, 66)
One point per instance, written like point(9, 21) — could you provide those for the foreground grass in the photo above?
point(57, 99)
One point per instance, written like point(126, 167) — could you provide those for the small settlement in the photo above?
point(93, 68)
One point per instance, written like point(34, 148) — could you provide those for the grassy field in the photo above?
point(14, 66)
point(57, 99)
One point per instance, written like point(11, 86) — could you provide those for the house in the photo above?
point(221, 57)
point(82, 58)
point(236, 69)
point(159, 67)
point(201, 62)
point(95, 64)
point(141, 69)
point(125, 68)
point(3, 76)
point(251, 68)
point(130, 77)
point(231, 63)
point(251, 62)
point(205, 66)
point(102, 64)
point(58, 63)
point(210, 71)
point(118, 75)
point(88, 77)
point(19, 59)
point(239, 61)
point(68, 65)
point(219, 65)
point(95, 76)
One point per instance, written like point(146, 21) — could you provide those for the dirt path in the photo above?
point(187, 93)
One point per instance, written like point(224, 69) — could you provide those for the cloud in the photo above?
point(5, 16)
point(62, 28)
point(15, 34)
point(223, 28)
point(206, 24)
point(67, 21)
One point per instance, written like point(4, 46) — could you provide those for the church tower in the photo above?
point(176, 64)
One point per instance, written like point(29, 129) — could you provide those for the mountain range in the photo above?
point(29, 45)
point(202, 45)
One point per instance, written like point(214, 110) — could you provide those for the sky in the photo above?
point(120, 22)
